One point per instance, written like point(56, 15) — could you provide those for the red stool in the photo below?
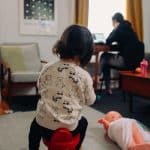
point(62, 139)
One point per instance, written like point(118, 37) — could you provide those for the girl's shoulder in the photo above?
point(84, 74)
point(63, 68)
point(51, 65)
point(48, 68)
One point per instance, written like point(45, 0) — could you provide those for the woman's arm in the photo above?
point(115, 35)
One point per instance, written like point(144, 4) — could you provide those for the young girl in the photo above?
point(64, 88)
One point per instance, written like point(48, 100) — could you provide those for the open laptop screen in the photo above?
point(99, 38)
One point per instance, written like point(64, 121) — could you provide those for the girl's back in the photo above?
point(64, 88)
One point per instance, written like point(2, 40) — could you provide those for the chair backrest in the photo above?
point(21, 56)
point(62, 139)
point(139, 54)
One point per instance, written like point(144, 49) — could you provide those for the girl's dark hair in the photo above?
point(118, 17)
point(75, 41)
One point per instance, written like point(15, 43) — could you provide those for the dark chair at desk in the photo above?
point(105, 48)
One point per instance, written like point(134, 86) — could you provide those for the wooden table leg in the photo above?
point(124, 96)
point(96, 70)
point(131, 103)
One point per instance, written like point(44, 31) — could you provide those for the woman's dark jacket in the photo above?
point(128, 45)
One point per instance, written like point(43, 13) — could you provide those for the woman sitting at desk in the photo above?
point(131, 50)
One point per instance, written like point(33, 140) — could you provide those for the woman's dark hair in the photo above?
point(75, 41)
point(118, 17)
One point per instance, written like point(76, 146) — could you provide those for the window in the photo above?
point(100, 14)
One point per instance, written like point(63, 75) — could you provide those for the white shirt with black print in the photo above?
point(64, 88)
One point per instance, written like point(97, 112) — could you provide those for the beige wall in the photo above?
point(9, 26)
point(146, 19)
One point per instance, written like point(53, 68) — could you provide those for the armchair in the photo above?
point(20, 67)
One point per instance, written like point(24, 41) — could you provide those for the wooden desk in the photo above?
point(135, 84)
point(97, 49)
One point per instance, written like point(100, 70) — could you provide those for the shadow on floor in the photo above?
point(106, 103)
point(141, 107)
point(24, 103)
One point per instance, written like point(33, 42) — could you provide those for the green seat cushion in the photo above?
point(12, 55)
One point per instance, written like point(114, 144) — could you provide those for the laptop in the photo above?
point(99, 38)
